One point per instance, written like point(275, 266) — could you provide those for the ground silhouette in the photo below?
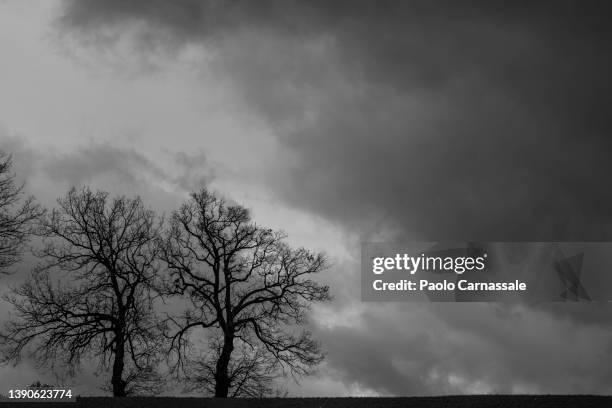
point(468, 401)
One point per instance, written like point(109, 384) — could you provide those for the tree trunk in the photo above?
point(222, 381)
point(117, 381)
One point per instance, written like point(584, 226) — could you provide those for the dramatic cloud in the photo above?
point(423, 120)
point(438, 348)
point(480, 122)
point(103, 166)
point(468, 350)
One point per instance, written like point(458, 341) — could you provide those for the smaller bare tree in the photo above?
point(92, 297)
point(16, 215)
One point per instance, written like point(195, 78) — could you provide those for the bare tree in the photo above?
point(247, 289)
point(91, 296)
point(16, 215)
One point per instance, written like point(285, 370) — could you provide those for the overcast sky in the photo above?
point(338, 122)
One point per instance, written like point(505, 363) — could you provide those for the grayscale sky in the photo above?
point(339, 122)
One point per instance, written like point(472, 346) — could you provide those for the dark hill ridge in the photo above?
point(476, 401)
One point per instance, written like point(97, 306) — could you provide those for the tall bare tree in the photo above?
point(247, 289)
point(16, 215)
point(91, 296)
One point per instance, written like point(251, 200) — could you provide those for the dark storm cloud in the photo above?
point(480, 121)
point(129, 167)
point(417, 349)
point(430, 349)
point(82, 166)
point(49, 174)
point(436, 120)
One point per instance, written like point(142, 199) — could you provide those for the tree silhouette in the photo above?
point(38, 384)
point(16, 216)
point(247, 289)
point(91, 296)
